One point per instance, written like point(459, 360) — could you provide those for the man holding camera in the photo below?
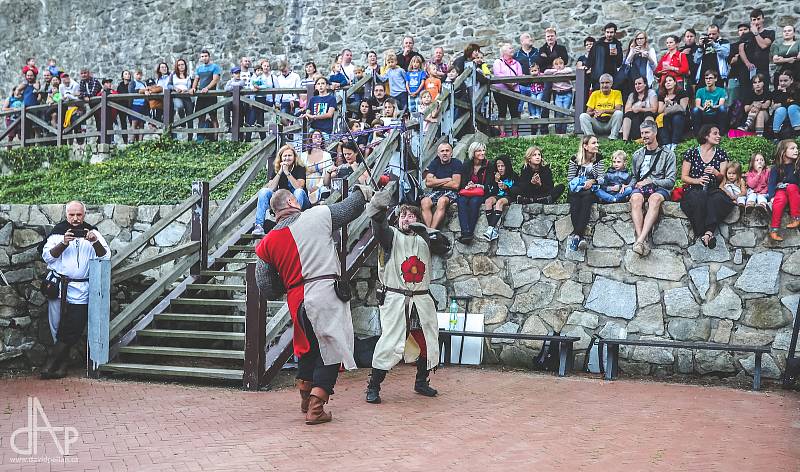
point(713, 55)
point(67, 252)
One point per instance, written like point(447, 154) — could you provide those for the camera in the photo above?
point(79, 232)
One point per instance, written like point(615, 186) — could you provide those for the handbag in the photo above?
point(51, 285)
point(472, 192)
point(678, 192)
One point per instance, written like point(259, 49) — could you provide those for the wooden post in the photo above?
point(255, 333)
point(103, 117)
point(235, 114)
point(60, 124)
point(579, 104)
point(274, 130)
point(99, 314)
point(167, 109)
point(200, 224)
point(23, 135)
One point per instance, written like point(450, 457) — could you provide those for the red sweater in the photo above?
point(679, 60)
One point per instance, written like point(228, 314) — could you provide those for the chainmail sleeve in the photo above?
point(268, 281)
point(347, 210)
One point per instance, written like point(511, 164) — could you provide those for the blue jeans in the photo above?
point(264, 196)
point(469, 209)
point(563, 100)
point(779, 117)
point(607, 197)
point(718, 118)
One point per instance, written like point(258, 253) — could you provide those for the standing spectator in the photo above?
point(585, 168)
point(442, 180)
point(535, 184)
point(181, 83)
point(44, 86)
point(500, 195)
point(784, 179)
point(310, 70)
point(432, 84)
point(286, 78)
point(321, 108)
point(263, 79)
point(53, 68)
point(755, 47)
point(439, 64)
point(30, 95)
point(606, 56)
point(738, 73)
point(562, 91)
point(704, 203)
point(471, 51)
point(206, 78)
point(138, 105)
point(111, 113)
point(235, 82)
point(373, 70)
point(688, 48)
point(653, 179)
point(527, 55)
point(163, 77)
point(14, 103)
point(286, 172)
point(348, 69)
point(710, 105)
point(756, 106)
point(786, 54)
point(507, 66)
point(67, 251)
point(603, 110)
point(30, 65)
point(415, 77)
point(642, 59)
point(588, 44)
point(69, 88)
point(673, 64)
point(404, 56)
point(124, 87)
point(396, 76)
point(673, 104)
point(476, 181)
point(88, 86)
point(786, 104)
point(246, 72)
point(642, 104)
point(713, 55)
point(52, 99)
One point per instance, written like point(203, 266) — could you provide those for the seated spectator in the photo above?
point(786, 104)
point(603, 110)
point(757, 180)
point(500, 194)
point(507, 66)
point(321, 108)
point(784, 187)
point(535, 184)
point(704, 203)
point(672, 106)
point(653, 179)
point(786, 54)
point(363, 113)
point(615, 184)
point(287, 172)
point(710, 105)
point(352, 160)
point(756, 106)
point(673, 64)
point(442, 180)
point(642, 104)
point(317, 160)
point(562, 91)
point(476, 181)
point(733, 184)
point(585, 168)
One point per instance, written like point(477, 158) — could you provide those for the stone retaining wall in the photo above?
point(742, 292)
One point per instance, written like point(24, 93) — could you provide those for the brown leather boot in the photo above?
point(304, 386)
point(316, 414)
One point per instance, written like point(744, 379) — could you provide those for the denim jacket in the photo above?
point(615, 177)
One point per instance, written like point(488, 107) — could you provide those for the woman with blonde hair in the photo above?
point(536, 180)
point(507, 66)
point(287, 172)
point(585, 168)
point(475, 185)
point(641, 58)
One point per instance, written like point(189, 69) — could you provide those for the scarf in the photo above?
point(285, 213)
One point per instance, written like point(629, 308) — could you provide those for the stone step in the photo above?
point(172, 371)
point(183, 352)
point(191, 334)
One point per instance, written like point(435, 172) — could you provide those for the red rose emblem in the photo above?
point(413, 270)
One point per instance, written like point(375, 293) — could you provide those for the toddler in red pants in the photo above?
point(784, 179)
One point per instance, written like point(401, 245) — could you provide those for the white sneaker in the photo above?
point(495, 234)
point(258, 230)
point(582, 243)
point(487, 235)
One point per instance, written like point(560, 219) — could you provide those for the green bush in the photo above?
point(558, 150)
point(31, 158)
point(145, 173)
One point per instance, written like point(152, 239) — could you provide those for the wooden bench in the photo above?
point(564, 344)
point(612, 357)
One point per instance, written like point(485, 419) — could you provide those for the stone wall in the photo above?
point(111, 36)
point(24, 332)
point(742, 292)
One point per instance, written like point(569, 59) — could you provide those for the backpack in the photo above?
point(548, 357)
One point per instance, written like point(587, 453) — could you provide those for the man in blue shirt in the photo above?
point(206, 78)
point(443, 179)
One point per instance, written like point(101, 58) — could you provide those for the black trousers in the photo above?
point(580, 207)
point(73, 323)
point(311, 367)
point(705, 210)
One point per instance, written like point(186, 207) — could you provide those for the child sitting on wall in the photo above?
point(615, 184)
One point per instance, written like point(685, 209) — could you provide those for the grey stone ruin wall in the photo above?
point(742, 292)
point(110, 36)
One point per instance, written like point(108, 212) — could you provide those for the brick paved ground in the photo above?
point(482, 420)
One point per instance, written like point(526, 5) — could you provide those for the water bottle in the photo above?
point(453, 315)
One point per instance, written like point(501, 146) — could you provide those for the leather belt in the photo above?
point(314, 279)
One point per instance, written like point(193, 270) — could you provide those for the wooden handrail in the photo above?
point(132, 270)
point(531, 79)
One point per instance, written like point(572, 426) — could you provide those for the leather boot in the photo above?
point(55, 367)
point(374, 385)
point(421, 383)
point(316, 413)
point(304, 386)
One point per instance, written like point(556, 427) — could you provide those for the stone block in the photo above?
point(53, 212)
point(791, 265)
point(510, 243)
point(726, 304)
point(539, 248)
point(659, 264)
point(751, 336)
point(714, 361)
point(521, 272)
point(671, 231)
point(782, 339)
point(439, 293)
point(647, 292)
point(746, 238)
point(701, 254)
point(513, 217)
point(701, 278)
point(603, 257)
point(672, 210)
point(25, 257)
point(5, 234)
point(25, 238)
point(482, 265)
point(538, 296)
point(563, 228)
point(171, 235)
point(612, 298)
point(724, 273)
point(680, 302)
point(769, 370)
point(582, 318)
point(682, 329)
point(538, 227)
point(614, 330)
point(468, 288)
point(685, 361)
point(791, 302)
point(653, 355)
point(625, 231)
point(36, 217)
point(493, 312)
point(534, 325)
point(110, 230)
point(21, 275)
point(505, 328)
point(495, 286)
point(515, 356)
point(456, 266)
point(648, 320)
point(571, 293)
point(765, 313)
point(604, 236)
point(761, 274)
point(722, 334)
point(9, 297)
point(147, 214)
point(558, 270)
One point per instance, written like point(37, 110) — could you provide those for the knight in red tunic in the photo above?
point(299, 256)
